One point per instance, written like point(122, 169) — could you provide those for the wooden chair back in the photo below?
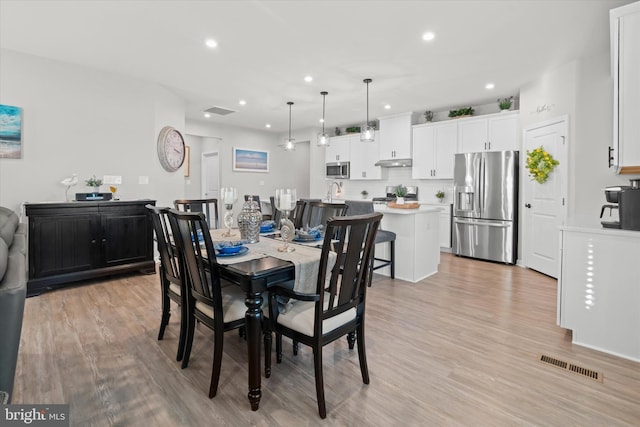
point(207, 206)
point(169, 260)
point(320, 212)
point(194, 243)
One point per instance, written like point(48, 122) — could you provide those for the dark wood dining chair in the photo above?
point(359, 207)
point(171, 270)
point(207, 206)
point(219, 309)
point(319, 212)
point(337, 308)
point(276, 214)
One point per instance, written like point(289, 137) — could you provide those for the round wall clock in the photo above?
point(171, 149)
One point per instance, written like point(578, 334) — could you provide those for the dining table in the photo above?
point(257, 269)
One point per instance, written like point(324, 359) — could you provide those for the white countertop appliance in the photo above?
point(625, 201)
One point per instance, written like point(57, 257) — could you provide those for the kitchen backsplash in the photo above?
point(427, 189)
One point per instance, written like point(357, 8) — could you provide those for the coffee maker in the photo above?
point(623, 203)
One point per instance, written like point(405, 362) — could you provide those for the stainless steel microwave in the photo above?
point(338, 170)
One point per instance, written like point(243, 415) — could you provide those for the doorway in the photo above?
point(545, 205)
point(210, 175)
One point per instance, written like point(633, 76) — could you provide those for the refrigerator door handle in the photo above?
point(488, 224)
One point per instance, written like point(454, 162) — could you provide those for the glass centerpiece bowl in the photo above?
point(229, 196)
point(286, 202)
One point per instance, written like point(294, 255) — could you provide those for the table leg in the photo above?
point(253, 319)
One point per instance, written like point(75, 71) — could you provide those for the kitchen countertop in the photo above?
point(604, 231)
point(421, 210)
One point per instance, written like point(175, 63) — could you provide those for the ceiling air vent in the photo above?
point(221, 111)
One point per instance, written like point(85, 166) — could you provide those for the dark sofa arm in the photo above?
point(13, 291)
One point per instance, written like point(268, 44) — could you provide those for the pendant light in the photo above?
point(289, 143)
point(323, 138)
point(368, 132)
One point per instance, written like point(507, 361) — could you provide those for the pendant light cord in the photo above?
point(367, 81)
point(324, 95)
point(290, 104)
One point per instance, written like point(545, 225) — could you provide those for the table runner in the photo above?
point(306, 259)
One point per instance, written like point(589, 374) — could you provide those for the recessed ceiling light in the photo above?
point(489, 86)
point(242, 102)
point(207, 115)
point(308, 79)
point(428, 36)
point(267, 125)
point(211, 43)
point(387, 107)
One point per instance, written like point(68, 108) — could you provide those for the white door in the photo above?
point(544, 205)
point(210, 175)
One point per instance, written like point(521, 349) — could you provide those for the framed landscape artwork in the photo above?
point(10, 132)
point(246, 160)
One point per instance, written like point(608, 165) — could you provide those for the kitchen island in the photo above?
point(417, 241)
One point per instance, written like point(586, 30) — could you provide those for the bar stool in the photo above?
point(360, 207)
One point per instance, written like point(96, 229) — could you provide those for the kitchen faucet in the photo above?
point(338, 190)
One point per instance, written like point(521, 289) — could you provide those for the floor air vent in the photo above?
point(589, 373)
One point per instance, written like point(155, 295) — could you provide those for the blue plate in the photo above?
point(243, 250)
point(267, 229)
point(308, 239)
point(230, 249)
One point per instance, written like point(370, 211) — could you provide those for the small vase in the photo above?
point(399, 200)
point(441, 200)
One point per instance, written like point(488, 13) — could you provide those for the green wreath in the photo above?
point(540, 164)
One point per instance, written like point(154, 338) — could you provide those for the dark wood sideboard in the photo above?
point(74, 241)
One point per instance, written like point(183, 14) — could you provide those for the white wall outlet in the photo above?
point(112, 179)
point(261, 182)
point(143, 180)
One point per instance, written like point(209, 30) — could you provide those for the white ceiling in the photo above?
point(267, 47)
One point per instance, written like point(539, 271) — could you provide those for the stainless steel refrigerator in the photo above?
point(485, 205)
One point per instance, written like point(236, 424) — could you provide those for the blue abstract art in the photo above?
point(10, 132)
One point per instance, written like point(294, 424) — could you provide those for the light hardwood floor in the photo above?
point(456, 349)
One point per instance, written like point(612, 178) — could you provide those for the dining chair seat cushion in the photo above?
point(385, 236)
point(300, 316)
point(175, 288)
point(232, 305)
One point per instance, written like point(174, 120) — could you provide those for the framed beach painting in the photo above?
point(246, 160)
point(10, 132)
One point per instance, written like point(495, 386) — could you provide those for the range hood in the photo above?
point(394, 163)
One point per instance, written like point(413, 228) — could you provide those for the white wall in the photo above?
point(85, 121)
point(581, 89)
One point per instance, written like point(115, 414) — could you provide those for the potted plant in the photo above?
point(440, 195)
point(401, 192)
point(462, 112)
point(94, 183)
point(505, 103)
point(364, 193)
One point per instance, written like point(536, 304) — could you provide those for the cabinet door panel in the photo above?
point(445, 150)
point(62, 244)
point(127, 238)
point(503, 133)
point(473, 135)
point(423, 152)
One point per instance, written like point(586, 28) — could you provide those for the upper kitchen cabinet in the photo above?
point(493, 132)
point(434, 148)
point(364, 155)
point(395, 136)
point(624, 154)
point(338, 149)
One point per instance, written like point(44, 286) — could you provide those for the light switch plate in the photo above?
point(143, 180)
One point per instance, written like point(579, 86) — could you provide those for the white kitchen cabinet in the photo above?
point(395, 137)
point(493, 132)
point(598, 289)
point(338, 150)
point(624, 155)
point(363, 157)
point(444, 225)
point(434, 148)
